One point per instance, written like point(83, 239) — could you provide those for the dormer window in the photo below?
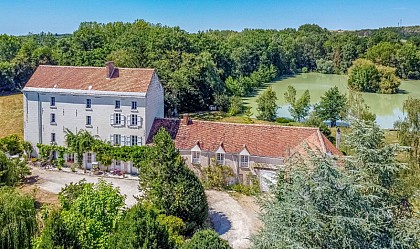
point(220, 158)
point(220, 155)
point(244, 161)
point(244, 158)
point(195, 153)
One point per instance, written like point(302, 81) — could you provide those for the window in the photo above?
point(52, 118)
point(117, 104)
point(88, 103)
point(134, 105)
point(133, 140)
point(88, 120)
point(52, 137)
point(220, 158)
point(70, 158)
point(117, 120)
point(195, 156)
point(117, 139)
point(244, 161)
point(89, 158)
point(52, 101)
point(134, 120)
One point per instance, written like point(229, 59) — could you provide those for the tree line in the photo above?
point(207, 68)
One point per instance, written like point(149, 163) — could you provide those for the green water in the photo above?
point(387, 107)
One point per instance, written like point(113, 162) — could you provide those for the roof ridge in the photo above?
point(93, 67)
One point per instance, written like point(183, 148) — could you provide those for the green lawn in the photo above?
point(11, 113)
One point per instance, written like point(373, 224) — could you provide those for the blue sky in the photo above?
point(19, 17)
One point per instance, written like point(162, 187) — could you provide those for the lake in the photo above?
point(387, 107)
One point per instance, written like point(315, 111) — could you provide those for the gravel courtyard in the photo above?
point(235, 219)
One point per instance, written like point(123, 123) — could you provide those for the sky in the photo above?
point(20, 17)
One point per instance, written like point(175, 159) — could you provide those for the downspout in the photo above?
point(39, 119)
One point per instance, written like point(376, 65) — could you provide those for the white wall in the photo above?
point(71, 113)
point(155, 103)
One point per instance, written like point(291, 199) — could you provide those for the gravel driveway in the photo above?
point(234, 219)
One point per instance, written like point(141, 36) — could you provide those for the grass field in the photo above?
point(11, 114)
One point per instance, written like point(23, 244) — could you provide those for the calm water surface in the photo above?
point(387, 107)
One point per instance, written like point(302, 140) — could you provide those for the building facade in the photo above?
point(116, 104)
point(250, 150)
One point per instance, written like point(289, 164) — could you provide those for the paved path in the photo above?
point(53, 181)
point(235, 220)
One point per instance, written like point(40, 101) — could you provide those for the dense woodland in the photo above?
point(206, 68)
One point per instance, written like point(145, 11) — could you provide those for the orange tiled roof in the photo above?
point(260, 140)
point(83, 78)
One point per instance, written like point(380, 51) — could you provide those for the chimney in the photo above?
point(185, 119)
point(109, 69)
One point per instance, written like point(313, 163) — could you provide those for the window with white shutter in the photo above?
point(140, 141)
point(133, 140)
point(111, 139)
point(122, 140)
point(128, 141)
point(112, 118)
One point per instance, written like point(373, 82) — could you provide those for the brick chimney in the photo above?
point(109, 69)
point(185, 119)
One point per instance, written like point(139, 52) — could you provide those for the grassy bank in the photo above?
point(11, 115)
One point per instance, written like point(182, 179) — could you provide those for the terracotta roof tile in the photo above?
point(82, 78)
point(260, 140)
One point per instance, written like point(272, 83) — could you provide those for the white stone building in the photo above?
point(116, 104)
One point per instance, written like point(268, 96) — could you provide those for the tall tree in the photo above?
point(332, 106)
point(170, 185)
point(299, 109)
point(267, 106)
point(17, 219)
point(409, 128)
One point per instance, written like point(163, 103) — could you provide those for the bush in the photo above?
point(11, 144)
point(216, 176)
point(12, 171)
point(206, 239)
point(283, 120)
point(236, 105)
point(140, 228)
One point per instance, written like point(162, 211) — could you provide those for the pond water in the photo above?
point(387, 107)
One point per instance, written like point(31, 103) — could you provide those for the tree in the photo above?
point(389, 81)
point(206, 239)
point(318, 205)
point(236, 105)
point(299, 109)
point(332, 106)
point(267, 106)
point(169, 185)
point(18, 223)
point(357, 107)
point(89, 215)
point(141, 228)
point(409, 128)
point(364, 76)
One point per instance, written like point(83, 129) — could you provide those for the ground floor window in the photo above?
point(134, 140)
point(89, 158)
point(54, 155)
point(195, 156)
point(70, 158)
